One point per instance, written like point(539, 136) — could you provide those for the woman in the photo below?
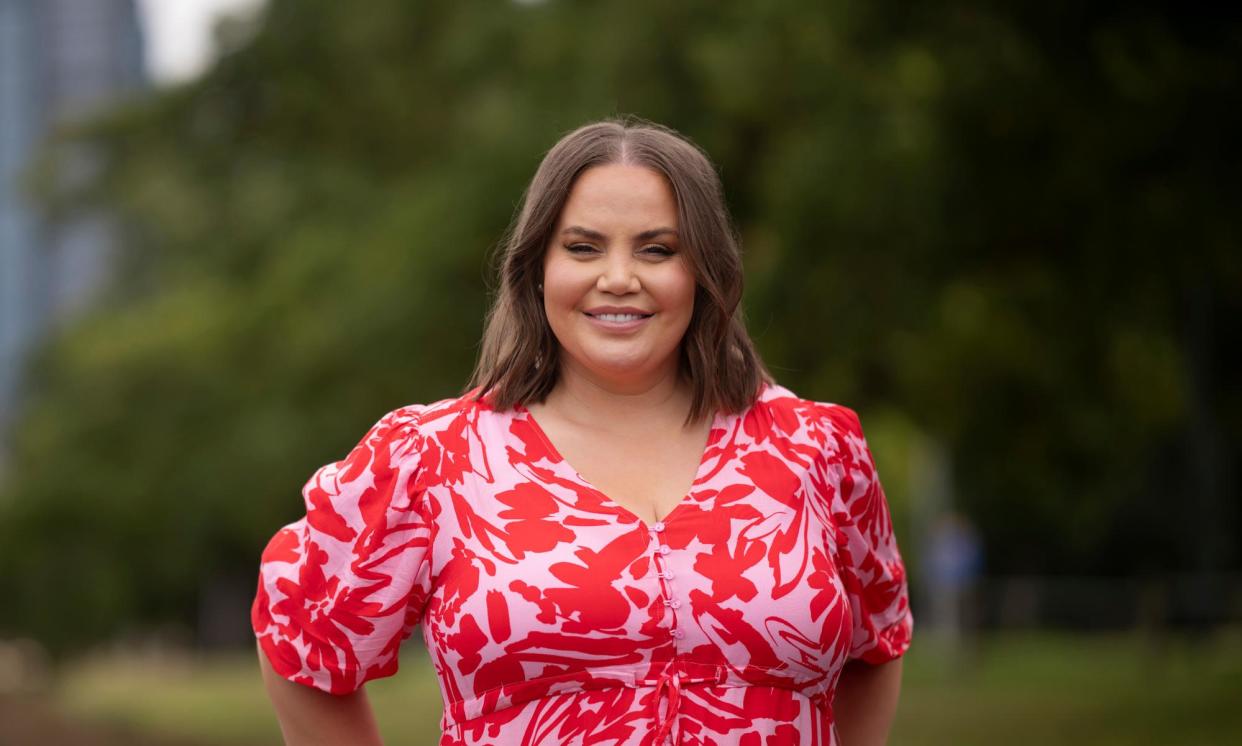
point(624, 531)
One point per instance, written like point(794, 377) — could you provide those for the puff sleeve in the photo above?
point(869, 563)
point(342, 587)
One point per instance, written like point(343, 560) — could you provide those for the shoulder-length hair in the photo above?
point(519, 362)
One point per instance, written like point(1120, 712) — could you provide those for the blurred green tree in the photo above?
point(1012, 225)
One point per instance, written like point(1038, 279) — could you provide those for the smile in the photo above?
point(617, 317)
point(619, 322)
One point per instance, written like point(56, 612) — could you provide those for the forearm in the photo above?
point(866, 702)
point(309, 717)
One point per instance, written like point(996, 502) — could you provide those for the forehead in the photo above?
point(620, 194)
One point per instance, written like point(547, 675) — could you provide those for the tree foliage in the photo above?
point(1013, 225)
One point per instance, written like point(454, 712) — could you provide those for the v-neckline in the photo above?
point(558, 457)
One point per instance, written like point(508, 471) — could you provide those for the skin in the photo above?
point(309, 717)
point(617, 400)
point(866, 702)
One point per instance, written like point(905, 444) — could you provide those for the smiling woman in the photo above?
point(623, 531)
point(621, 196)
point(617, 301)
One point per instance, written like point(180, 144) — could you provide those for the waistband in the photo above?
point(669, 678)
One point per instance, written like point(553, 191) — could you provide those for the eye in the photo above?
point(659, 250)
point(579, 248)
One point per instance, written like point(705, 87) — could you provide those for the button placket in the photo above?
point(671, 601)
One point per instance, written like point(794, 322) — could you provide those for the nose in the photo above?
point(618, 276)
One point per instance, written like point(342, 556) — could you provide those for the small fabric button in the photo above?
point(659, 526)
point(664, 549)
point(667, 574)
point(678, 634)
point(675, 603)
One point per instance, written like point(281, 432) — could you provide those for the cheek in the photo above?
point(561, 286)
point(678, 292)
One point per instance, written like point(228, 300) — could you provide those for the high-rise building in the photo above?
point(60, 60)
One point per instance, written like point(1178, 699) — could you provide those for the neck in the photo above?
point(587, 398)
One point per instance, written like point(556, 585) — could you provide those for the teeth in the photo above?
point(619, 317)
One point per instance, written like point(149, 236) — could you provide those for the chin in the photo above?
point(635, 369)
point(614, 368)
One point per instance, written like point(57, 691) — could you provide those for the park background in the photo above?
point(1005, 233)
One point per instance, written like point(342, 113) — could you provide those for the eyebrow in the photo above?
point(597, 236)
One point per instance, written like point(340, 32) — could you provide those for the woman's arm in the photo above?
point(866, 702)
point(309, 717)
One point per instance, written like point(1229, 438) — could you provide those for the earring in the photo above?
point(540, 287)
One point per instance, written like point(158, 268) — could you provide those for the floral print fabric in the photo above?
point(554, 615)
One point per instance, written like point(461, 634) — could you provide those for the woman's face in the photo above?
point(617, 289)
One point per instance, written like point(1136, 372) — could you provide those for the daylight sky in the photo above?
point(178, 34)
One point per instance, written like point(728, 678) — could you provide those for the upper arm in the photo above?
point(869, 562)
point(309, 717)
point(341, 587)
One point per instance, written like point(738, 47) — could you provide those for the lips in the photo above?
point(617, 310)
point(620, 317)
point(617, 319)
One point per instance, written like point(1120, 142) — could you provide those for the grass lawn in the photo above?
point(1017, 690)
point(1076, 690)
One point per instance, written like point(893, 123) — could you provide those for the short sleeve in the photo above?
point(869, 563)
point(342, 587)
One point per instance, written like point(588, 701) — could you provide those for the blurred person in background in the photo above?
point(955, 564)
point(624, 527)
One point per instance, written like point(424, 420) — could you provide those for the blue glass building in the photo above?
point(59, 60)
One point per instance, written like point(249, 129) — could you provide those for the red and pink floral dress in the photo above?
point(555, 616)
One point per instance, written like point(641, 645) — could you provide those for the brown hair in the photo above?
point(518, 362)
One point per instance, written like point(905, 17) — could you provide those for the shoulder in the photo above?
point(422, 418)
point(402, 432)
point(440, 440)
point(829, 440)
point(827, 424)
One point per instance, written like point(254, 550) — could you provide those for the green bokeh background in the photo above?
point(1005, 232)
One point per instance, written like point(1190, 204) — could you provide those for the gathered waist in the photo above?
point(669, 678)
